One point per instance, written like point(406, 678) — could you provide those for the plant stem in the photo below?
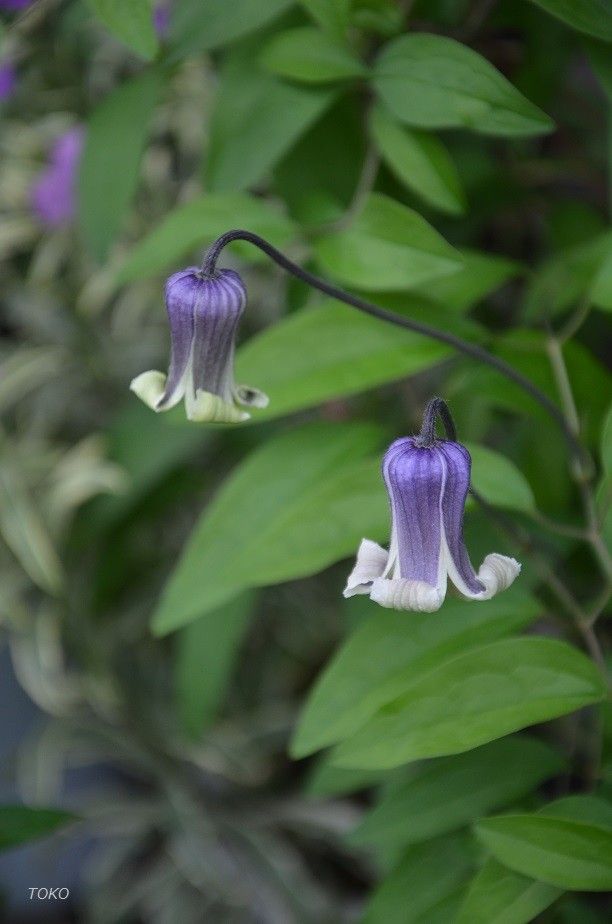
point(462, 346)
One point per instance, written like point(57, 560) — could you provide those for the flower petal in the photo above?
point(497, 573)
point(181, 294)
point(370, 564)
point(401, 594)
point(221, 302)
point(251, 397)
point(149, 386)
point(457, 464)
point(206, 407)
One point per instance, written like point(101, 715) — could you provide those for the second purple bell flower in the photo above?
point(427, 483)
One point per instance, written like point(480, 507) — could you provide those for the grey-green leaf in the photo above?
point(114, 143)
point(198, 223)
point(566, 853)
point(440, 795)
point(201, 25)
point(420, 161)
point(256, 120)
point(292, 507)
point(475, 697)
point(593, 17)
point(20, 823)
point(497, 895)
point(434, 82)
point(131, 21)
point(205, 655)
point(387, 247)
point(309, 55)
point(389, 653)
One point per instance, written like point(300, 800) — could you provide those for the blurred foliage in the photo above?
point(451, 159)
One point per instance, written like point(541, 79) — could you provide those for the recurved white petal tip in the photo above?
point(497, 573)
point(149, 386)
point(370, 563)
point(401, 594)
point(209, 408)
point(252, 397)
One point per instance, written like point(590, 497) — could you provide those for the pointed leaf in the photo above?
point(475, 697)
point(594, 17)
point(20, 823)
point(388, 246)
point(131, 21)
point(201, 25)
point(389, 653)
point(309, 55)
point(434, 82)
point(499, 896)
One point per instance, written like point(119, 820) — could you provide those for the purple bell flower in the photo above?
point(8, 80)
point(53, 194)
point(204, 312)
point(427, 481)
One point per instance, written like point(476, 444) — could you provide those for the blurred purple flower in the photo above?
point(8, 80)
point(161, 19)
point(53, 194)
point(14, 5)
point(427, 481)
point(204, 312)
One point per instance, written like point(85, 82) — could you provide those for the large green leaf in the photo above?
point(440, 795)
point(206, 652)
point(115, 139)
point(131, 21)
point(328, 351)
point(388, 246)
point(479, 275)
point(567, 853)
point(331, 15)
point(198, 223)
point(497, 895)
point(310, 56)
point(293, 506)
point(475, 697)
point(420, 887)
point(499, 481)
point(20, 823)
point(434, 82)
point(390, 652)
point(419, 161)
point(200, 25)
point(256, 120)
point(574, 274)
point(594, 17)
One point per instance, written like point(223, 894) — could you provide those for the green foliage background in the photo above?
point(171, 593)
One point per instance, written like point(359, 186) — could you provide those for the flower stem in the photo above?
point(462, 346)
point(437, 407)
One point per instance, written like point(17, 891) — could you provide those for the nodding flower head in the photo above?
point(427, 481)
point(204, 311)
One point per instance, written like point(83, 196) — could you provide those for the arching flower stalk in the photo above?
point(427, 480)
point(204, 311)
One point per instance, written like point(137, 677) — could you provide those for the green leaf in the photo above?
point(601, 291)
point(388, 653)
point(473, 698)
point(329, 351)
point(594, 17)
point(19, 823)
point(198, 223)
point(570, 276)
point(327, 780)
point(599, 57)
point(566, 853)
point(499, 896)
point(131, 21)
point(419, 161)
point(440, 795)
point(309, 55)
point(201, 25)
point(331, 15)
point(294, 506)
point(434, 82)
point(479, 275)
point(255, 122)
point(114, 143)
point(606, 443)
point(499, 481)
point(387, 247)
point(205, 655)
point(427, 876)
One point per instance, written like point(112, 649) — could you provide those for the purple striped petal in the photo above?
point(217, 311)
point(415, 481)
point(182, 292)
point(458, 467)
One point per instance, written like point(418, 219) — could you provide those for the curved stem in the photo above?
point(437, 407)
point(462, 346)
